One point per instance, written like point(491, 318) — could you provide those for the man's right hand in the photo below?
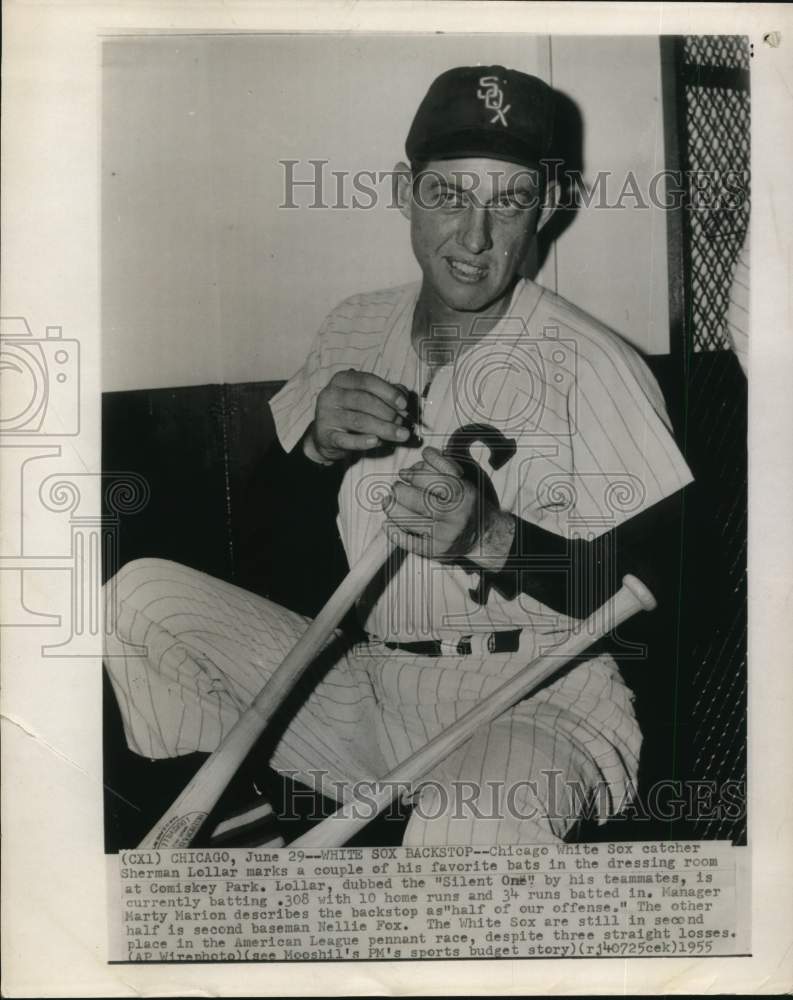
point(356, 411)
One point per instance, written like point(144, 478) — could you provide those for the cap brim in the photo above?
point(492, 145)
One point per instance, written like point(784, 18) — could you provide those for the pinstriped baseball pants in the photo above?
point(189, 653)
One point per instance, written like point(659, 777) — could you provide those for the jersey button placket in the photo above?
point(435, 392)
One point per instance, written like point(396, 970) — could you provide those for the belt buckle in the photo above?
point(491, 643)
point(479, 644)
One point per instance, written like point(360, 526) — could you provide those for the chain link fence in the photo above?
point(716, 87)
point(714, 140)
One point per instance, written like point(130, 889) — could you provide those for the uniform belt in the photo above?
point(467, 645)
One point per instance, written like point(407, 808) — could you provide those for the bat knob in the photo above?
point(642, 594)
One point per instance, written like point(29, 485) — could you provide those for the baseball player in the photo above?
point(518, 454)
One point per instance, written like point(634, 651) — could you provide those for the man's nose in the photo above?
point(475, 235)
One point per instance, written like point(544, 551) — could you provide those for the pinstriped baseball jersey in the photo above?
point(592, 447)
point(592, 441)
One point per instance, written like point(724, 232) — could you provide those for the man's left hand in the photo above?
point(437, 513)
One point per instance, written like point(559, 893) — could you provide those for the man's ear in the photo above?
point(549, 203)
point(403, 188)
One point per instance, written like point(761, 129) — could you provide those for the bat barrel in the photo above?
point(352, 817)
point(184, 818)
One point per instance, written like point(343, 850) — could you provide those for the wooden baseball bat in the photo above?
point(182, 820)
point(352, 817)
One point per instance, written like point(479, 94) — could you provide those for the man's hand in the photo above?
point(356, 411)
point(438, 513)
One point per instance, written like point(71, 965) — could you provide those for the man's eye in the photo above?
point(451, 199)
point(509, 203)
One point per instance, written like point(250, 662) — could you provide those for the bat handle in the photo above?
point(641, 593)
point(322, 627)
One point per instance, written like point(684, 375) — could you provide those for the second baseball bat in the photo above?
point(352, 817)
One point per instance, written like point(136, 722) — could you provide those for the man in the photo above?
point(546, 464)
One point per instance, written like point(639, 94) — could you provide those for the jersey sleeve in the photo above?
point(293, 405)
point(336, 346)
point(352, 336)
point(623, 458)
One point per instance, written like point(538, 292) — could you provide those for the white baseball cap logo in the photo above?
point(493, 96)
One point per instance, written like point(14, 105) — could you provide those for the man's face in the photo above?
point(471, 223)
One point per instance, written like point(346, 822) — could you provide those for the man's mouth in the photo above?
point(464, 271)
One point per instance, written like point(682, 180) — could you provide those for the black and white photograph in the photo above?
point(393, 554)
point(457, 325)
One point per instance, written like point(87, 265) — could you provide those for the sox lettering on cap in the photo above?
point(483, 111)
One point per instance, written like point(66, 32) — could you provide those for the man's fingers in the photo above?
point(414, 531)
point(366, 402)
point(410, 520)
point(413, 500)
point(441, 463)
point(411, 543)
point(390, 394)
point(353, 442)
point(441, 493)
point(355, 422)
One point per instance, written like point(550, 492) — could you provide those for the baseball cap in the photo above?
point(483, 111)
